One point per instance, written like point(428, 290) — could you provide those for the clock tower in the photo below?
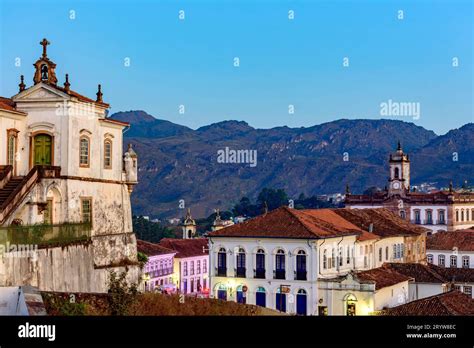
point(399, 181)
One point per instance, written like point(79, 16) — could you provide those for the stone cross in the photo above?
point(44, 43)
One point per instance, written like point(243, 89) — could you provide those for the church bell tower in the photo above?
point(45, 68)
point(399, 181)
point(189, 226)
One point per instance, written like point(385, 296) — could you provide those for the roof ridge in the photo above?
point(302, 223)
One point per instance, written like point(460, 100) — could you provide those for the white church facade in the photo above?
point(447, 210)
point(65, 187)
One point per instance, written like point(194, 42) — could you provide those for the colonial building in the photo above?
point(191, 264)
point(439, 211)
point(280, 259)
point(159, 269)
point(65, 186)
point(451, 249)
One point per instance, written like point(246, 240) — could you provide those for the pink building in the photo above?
point(191, 264)
point(159, 269)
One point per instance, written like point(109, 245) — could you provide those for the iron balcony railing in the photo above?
point(45, 235)
point(160, 272)
point(259, 273)
point(300, 275)
point(240, 272)
point(221, 271)
point(279, 274)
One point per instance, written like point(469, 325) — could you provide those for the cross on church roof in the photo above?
point(44, 43)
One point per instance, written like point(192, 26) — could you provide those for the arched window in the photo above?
point(280, 272)
point(429, 258)
point(108, 154)
point(301, 265)
point(84, 151)
point(325, 259)
point(240, 271)
point(386, 253)
point(333, 258)
point(397, 173)
point(348, 261)
point(453, 261)
point(222, 263)
point(457, 215)
point(260, 264)
point(462, 215)
point(402, 214)
point(380, 254)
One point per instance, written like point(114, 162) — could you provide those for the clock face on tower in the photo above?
point(396, 185)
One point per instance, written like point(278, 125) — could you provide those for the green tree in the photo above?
point(150, 231)
point(273, 198)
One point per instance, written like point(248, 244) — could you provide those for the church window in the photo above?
point(84, 151)
point(107, 154)
point(397, 173)
point(86, 205)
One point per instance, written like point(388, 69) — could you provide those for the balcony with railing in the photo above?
point(160, 272)
point(259, 273)
point(279, 274)
point(300, 275)
point(45, 235)
point(240, 272)
point(221, 271)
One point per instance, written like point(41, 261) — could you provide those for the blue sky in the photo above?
point(282, 62)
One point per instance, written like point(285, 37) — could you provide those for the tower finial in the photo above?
point(67, 84)
point(99, 94)
point(451, 186)
point(348, 189)
point(399, 147)
point(22, 83)
point(44, 43)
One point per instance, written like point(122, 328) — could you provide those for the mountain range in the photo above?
point(179, 163)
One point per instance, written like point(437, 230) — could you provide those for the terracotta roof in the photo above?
point(448, 303)
point(454, 274)
point(410, 197)
point(463, 240)
point(385, 223)
point(152, 249)
point(366, 236)
point(9, 105)
point(186, 247)
point(291, 223)
point(382, 276)
point(419, 272)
